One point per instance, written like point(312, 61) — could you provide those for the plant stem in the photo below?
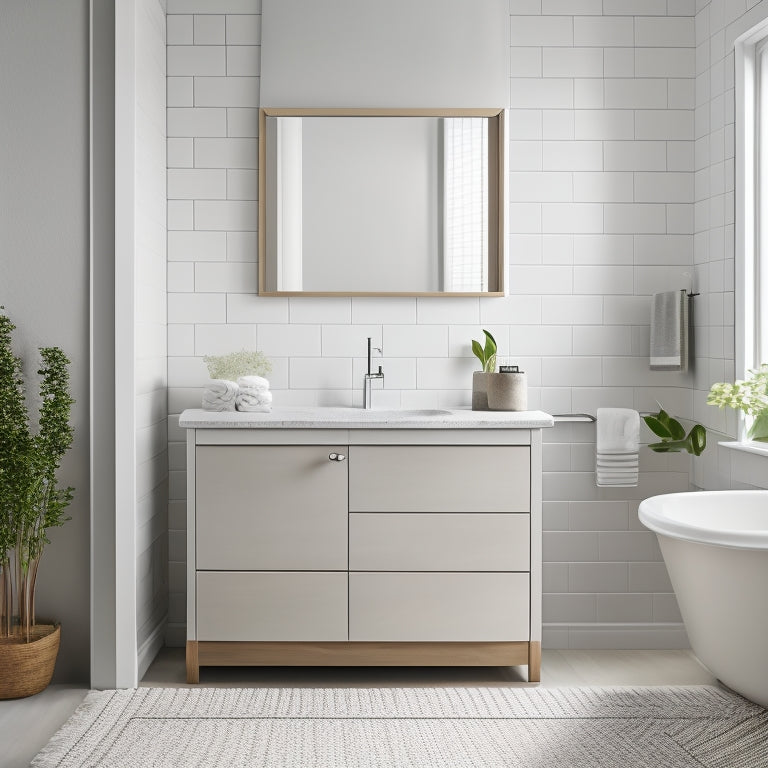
point(6, 599)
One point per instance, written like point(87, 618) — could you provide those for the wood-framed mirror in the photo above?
point(381, 202)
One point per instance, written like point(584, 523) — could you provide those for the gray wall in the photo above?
point(44, 260)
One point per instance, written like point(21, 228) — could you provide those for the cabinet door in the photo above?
point(439, 542)
point(413, 607)
point(290, 606)
point(271, 508)
point(439, 478)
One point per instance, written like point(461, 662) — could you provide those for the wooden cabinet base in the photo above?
point(345, 654)
point(534, 662)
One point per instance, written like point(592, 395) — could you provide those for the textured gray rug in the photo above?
point(637, 727)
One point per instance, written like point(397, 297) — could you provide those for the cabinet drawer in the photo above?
point(439, 542)
point(439, 478)
point(271, 508)
point(272, 606)
point(412, 607)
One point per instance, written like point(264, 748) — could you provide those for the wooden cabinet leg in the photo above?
point(534, 662)
point(193, 666)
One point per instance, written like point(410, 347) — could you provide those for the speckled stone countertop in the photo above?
point(308, 417)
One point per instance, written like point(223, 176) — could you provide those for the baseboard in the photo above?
point(151, 646)
point(615, 636)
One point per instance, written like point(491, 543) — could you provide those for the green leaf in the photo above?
point(663, 447)
point(479, 353)
point(697, 440)
point(672, 434)
point(658, 427)
point(490, 345)
point(676, 429)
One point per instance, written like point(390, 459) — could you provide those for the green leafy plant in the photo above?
point(486, 354)
point(672, 434)
point(237, 364)
point(749, 396)
point(31, 501)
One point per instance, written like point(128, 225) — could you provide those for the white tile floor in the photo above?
point(27, 724)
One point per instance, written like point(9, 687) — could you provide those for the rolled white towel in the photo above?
point(222, 388)
point(219, 406)
point(253, 382)
point(245, 408)
point(219, 395)
point(262, 397)
point(253, 400)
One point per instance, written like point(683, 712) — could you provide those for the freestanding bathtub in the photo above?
point(715, 546)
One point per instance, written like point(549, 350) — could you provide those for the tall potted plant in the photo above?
point(31, 502)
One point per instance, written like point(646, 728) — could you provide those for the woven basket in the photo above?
point(27, 668)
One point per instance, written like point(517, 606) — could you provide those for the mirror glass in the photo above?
point(382, 203)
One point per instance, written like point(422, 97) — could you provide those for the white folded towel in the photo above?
point(253, 382)
point(219, 395)
point(618, 430)
point(618, 441)
point(621, 482)
point(254, 401)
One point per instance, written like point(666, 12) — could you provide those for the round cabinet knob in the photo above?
point(336, 456)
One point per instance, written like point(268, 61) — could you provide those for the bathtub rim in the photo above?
point(651, 515)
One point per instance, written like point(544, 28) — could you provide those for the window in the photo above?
point(465, 204)
point(759, 269)
point(751, 288)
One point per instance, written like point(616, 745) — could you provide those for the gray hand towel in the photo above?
point(669, 331)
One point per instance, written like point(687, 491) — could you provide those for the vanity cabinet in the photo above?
point(364, 547)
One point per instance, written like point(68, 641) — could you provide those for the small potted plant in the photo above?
point(750, 397)
point(31, 502)
point(486, 354)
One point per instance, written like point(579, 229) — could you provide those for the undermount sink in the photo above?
point(377, 414)
point(404, 413)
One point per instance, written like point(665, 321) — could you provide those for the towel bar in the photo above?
point(585, 418)
point(573, 417)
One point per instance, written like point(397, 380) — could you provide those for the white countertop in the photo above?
point(307, 417)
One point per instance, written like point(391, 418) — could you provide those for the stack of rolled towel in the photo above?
point(253, 395)
point(219, 395)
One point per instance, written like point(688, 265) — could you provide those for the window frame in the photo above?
point(751, 169)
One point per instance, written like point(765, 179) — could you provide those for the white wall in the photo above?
point(44, 262)
point(600, 217)
point(151, 349)
point(141, 587)
point(718, 24)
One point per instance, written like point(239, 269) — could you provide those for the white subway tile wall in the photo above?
point(714, 177)
point(601, 215)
